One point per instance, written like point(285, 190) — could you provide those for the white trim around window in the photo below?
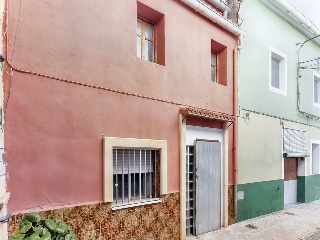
point(314, 156)
point(316, 89)
point(111, 143)
point(278, 85)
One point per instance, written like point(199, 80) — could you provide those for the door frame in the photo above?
point(289, 182)
point(301, 170)
point(224, 173)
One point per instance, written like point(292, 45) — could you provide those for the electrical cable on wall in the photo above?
point(276, 117)
point(303, 113)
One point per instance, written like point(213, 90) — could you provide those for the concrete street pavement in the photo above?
point(300, 222)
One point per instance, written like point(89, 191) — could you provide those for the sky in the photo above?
point(309, 9)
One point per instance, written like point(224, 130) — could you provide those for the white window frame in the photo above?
point(282, 57)
point(317, 171)
point(315, 75)
point(112, 142)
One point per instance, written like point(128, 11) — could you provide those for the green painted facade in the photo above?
point(308, 188)
point(266, 29)
point(260, 198)
point(264, 113)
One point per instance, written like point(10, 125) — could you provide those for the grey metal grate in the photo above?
point(190, 194)
point(134, 175)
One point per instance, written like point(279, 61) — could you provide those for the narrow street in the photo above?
point(301, 222)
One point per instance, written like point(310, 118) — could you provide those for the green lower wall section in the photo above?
point(259, 198)
point(308, 188)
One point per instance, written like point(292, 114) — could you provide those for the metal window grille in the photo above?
point(135, 175)
point(190, 194)
point(294, 142)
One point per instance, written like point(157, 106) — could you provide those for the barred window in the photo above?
point(136, 176)
point(134, 171)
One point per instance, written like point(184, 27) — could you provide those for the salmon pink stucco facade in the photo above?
point(91, 81)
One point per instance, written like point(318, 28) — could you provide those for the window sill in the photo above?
point(316, 104)
point(219, 84)
point(278, 91)
point(136, 204)
point(155, 63)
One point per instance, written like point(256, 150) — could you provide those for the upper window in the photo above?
point(145, 40)
point(316, 89)
point(135, 171)
point(277, 71)
point(150, 34)
point(218, 63)
point(214, 64)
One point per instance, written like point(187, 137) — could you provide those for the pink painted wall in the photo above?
point(54, 130)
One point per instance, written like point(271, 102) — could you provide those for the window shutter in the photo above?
point(294, 142)
point(135, 158)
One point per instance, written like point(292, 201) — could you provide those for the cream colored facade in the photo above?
point(262, 160)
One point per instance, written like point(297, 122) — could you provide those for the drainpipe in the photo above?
point(225, 14)
point(205, 10)
point(235, 125)
point(222, 6)
point(296, 14)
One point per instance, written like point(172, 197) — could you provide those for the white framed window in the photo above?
point(315, 157)
point(277, 71)
point(135, 171)
point(316, 89)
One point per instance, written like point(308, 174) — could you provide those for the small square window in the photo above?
point(214, 64)
point(145, 40)
point(316, 90)
point(277, 71)
point(218, 63)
